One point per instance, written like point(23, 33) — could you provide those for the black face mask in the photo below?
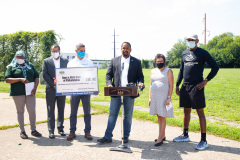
point(160, 65)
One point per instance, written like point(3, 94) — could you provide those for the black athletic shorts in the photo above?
point(192, 97)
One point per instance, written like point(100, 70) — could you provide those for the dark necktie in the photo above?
point(122, 66)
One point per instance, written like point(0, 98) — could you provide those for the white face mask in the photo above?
point(55, 55)
point(20, 61)
point(191, 44)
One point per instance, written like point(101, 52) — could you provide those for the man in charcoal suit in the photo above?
point(48, 72)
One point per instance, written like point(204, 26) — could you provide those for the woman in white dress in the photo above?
point(160, 95)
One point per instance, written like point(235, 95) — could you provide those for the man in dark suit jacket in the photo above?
point(48, 71)
point(123, 70)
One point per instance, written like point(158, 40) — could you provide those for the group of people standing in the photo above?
point(122, 70)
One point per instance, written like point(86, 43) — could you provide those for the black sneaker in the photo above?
point(51, 136)
point(36, 133)
point(23, 135)
point(62, 133)
point(104, 140)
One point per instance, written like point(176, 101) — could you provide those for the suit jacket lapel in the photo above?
point(130, 65)
point(61, 62)
point(51, 62)
point(119, 66)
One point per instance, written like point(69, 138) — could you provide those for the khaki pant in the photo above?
point(30, 102)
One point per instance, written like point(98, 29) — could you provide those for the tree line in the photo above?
point(36, 45)
point(225, 49)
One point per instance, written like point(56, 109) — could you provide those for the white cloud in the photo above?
point(215, 2)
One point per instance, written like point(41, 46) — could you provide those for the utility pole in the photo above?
point(114, 44)
point(205, 29)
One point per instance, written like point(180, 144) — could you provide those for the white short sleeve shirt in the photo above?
point(80, 63)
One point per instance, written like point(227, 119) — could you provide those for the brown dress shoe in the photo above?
point(71, 136)
point(88, 136)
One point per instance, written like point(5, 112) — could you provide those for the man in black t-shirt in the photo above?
point(192, 90)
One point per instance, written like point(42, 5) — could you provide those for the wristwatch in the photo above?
point(168, 96)
point(206, 79)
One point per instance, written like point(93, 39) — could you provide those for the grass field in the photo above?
point(222, 99)
point(222, 93)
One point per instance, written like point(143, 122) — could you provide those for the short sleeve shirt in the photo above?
point(18, 88)
point(80, 63)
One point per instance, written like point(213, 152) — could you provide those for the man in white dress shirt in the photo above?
point(123, 70)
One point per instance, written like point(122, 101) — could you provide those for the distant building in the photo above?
point(98, 63)
point(71, 56)
point(103, 64)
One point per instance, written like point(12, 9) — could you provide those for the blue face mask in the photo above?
point(81, 54)
point(191, 44)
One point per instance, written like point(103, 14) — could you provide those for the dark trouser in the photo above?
point(75, 100)
point(51, 99)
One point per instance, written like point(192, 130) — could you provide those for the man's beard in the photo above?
point(125, 54)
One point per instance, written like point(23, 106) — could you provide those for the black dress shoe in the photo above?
point(164, 139)
point(104, 140)
point(36, 133)
point(62, 133)
point(158, 144)
point(125, 140)
point(51, 135)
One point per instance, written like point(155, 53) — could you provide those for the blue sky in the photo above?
point(151, 26)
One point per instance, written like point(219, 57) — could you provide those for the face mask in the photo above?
point(55, 55)
point(20, 61)
point(81, 54)
point(191, 44)
point(160, 65)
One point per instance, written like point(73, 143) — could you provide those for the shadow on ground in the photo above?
point(169, 150)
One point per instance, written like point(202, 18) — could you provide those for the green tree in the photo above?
point(225, 49)
point(174, 55)
point(3, 50)
point(145, 63)
point(36, 45)
point(104, 65)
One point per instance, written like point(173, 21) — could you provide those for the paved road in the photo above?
point(141, 140)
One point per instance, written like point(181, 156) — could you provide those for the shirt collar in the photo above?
point(56, 60)
point(79, 59)
point(125, 60)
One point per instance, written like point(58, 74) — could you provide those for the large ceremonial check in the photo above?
point(76, 81)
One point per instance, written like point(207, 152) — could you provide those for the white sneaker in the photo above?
point(202, 145)
point(181, 138)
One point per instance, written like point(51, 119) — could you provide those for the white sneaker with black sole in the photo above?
point(181, 138)
point(202, 145)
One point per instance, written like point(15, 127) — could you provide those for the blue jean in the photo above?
point(74, 110)
point(115, 105)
